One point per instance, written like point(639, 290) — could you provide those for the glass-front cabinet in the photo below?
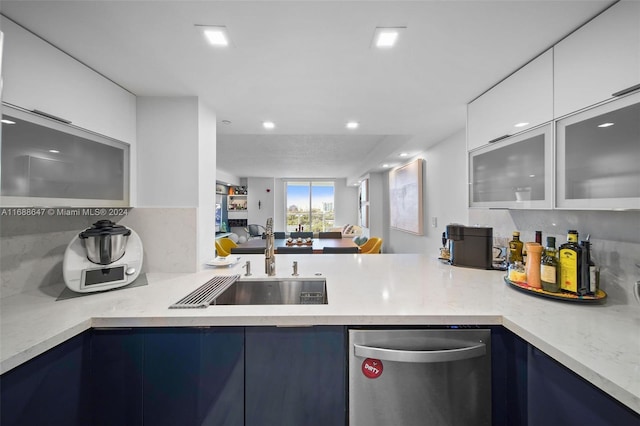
point(48, 162)
point(513, 173)
point(598, 157)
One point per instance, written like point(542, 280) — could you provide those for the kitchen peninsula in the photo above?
point(599, 342)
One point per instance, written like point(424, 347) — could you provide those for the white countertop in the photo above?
point(599, 342)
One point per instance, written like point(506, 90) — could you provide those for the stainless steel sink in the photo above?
point(288, 291)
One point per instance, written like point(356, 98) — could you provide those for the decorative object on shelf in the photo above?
point(405, 197)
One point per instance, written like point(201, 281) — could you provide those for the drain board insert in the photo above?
point(206, 293)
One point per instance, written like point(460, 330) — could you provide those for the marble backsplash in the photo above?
point(32, 248)
point(614, 236)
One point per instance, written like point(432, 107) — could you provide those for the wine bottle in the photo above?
point(590, 273)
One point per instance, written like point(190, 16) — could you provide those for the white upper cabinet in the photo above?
point(598, 157)
point(514, 173)
point(37, 76)
point(524, 99)
point(598, 60)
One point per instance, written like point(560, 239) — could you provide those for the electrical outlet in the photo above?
point(434, 221)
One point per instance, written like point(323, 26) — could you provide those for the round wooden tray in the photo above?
point(301, 243)
point(563, 295)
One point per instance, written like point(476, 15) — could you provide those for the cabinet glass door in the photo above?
point(46, 162)
point(514, 172)
point(598, 157)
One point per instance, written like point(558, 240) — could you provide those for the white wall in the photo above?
point(378, 208)
point(445, 197)
point(261, 204)
point(168, 144)
point(279, 207)
point(206, 230)
point(176, 163)
point(346, 203)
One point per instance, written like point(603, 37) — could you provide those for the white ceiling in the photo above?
point(309, 67)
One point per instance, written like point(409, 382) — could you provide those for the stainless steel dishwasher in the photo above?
point(420, 377)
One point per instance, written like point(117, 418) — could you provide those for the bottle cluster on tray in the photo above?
point(569, 268)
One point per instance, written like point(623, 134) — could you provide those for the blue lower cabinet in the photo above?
point(557, 396)
point(116, 377)
point(295, 376)
point(51, 389)
point(508, 378)
point(193, 376)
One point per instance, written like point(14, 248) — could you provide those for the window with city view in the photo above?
point(309, 205)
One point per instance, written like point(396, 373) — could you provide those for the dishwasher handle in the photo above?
point(400, 355)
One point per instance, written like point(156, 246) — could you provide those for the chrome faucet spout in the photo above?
point(269, 253)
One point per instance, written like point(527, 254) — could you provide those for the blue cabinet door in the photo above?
point(51, 389)
point(193, 376)
point(295, 376)
point(116, 377)
point(558, 396)
point(508, 378)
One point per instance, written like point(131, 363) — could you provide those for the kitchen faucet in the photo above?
point(269, 253)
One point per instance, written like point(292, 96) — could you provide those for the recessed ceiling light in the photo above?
point(5, 121)
point(216, 35)
point(227, 122)
point(352, 125)
point(605, 125)
point(404, 154)
point(520, 124)
point(54, 151)
point(386, 37)
point(386, 166)
point(268, 125)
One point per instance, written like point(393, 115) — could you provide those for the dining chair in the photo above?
point(340, 250)
point(220, 251)
point(371, 246)
point(330, 234)
point(301, 235)
point(247, 250)
point(226, 245)
point(294, 250)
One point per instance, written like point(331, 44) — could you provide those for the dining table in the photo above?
point(317, 244)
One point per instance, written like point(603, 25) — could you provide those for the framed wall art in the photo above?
point(405, 198)
point(363, 203)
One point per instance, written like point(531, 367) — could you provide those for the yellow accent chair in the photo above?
point(372, 246)
point(224, 246)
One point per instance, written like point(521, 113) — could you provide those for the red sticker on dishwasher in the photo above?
point(372, 368)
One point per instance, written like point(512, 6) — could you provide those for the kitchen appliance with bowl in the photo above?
point(102, 257)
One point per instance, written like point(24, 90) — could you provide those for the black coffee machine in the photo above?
point(471, 246)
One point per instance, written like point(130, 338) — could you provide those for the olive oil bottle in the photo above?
point(570, 262)
point(549, 267)
point(515, 249)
